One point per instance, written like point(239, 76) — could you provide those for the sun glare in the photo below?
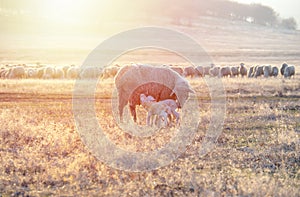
point(62, 11)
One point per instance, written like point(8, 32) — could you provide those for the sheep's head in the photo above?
point(143, 98)
point(150, 98)
point(182, 90)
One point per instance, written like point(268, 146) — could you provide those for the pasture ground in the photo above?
point(257, 154)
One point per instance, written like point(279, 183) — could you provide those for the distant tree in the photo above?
point(263, 15)
point(289, 23)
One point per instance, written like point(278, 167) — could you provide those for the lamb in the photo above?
point(243, 70)
point(160, 82)
point(289, 71)
point(169, 102)
point(158, 109)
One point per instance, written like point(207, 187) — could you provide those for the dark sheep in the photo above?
point(189, 71)
point(243, 70)
point(251, 72)
point(283, 66)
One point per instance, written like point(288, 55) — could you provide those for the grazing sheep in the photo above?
point(4, 73)
point(40, 72)
point(225, 71)
point(243, 70)
point(283, 66)
point(274, 71)
point(289, 71)
point(189, 71)
point(65, 69)
point(206, 69)
point(90, 72)
point(17, 72)
point(177, 69)
point(73, 72)
point(31, 73)
point(49, 72)
point(59, 73)
point(251, 72)
point(200, 71)
point(110, 72)
point(259, 71)
point(267, 71)
point(214, 71)
point(234, 71)
point(160, 82)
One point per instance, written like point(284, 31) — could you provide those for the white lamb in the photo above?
point(159, 110)
point(172, 105)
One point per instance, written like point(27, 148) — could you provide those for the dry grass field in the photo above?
point(257, 154)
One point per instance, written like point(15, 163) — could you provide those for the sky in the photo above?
point(285, 8)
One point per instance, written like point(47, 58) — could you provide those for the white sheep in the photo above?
point(31, 73)
point(17, 72)
point(72, 72)
point(49, 72)
point(110, 71)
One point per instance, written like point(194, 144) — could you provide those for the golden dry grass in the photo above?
point(257, 154)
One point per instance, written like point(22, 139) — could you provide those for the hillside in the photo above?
point(226, 41)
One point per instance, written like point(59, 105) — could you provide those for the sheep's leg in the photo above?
point(156, 119)
point(133, 112)
point(170, 119)
point(177, 115)
point(148, 118)
point(159, 120)
point(165, 117)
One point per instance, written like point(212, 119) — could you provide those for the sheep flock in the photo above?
point(24, 71)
